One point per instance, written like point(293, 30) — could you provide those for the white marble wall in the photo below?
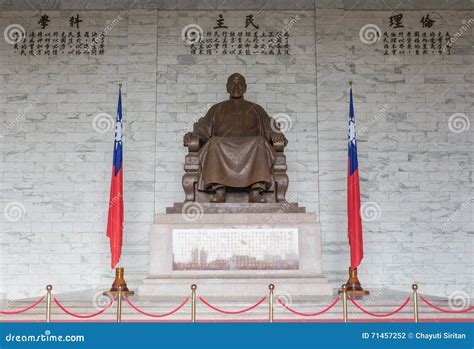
point(416, 173)
point(55, 165)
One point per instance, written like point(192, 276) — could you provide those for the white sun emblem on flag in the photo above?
point(118, 132)
point(351, 131)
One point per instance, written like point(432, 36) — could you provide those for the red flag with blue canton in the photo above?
point(353, 195)
point(115, 219)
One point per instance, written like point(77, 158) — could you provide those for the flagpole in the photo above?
point(353, 285)
point(119, 266)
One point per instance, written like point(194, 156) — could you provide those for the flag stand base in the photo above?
point(354, 287)
point(119, 281)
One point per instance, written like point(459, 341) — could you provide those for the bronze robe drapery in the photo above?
point(237, 151)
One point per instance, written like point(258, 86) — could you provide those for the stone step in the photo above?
point(84, 306)
point(235, 287)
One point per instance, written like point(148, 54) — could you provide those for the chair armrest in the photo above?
point(279, 146)
point(193, 145)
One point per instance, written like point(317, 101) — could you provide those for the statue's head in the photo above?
point(236, 85)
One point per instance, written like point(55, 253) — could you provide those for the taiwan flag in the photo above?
point(353, 195)
point(115, 219)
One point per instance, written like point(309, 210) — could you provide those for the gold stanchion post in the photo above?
point(344, 302)
point(119, 303)
point(414, 287)
point(49, 288)
point(193, 302)
point(271, 287)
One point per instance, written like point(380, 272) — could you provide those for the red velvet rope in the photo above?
point(380, 315)
point(157, 315)
point(23, 310)
point(233, 312)
point(446, 310)
point(306, 314)
point(83, 316)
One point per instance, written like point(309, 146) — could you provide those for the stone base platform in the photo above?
point(306, 279)
point(236, 207)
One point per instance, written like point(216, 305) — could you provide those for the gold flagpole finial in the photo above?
point(120, 85)
point(350, 83)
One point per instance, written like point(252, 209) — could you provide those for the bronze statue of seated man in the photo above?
point(237, 152)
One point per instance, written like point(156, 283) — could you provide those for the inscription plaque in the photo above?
point(235, 249)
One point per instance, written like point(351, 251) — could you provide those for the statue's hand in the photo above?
point(188, 138)
point(278, 137)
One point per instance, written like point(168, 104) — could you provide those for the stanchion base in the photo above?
point(357, 293)
point(119, 281)
point(113, 294)
point(353, 286)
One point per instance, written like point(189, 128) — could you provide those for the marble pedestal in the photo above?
point(306, 281)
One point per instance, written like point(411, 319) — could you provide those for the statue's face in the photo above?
point(236, 86)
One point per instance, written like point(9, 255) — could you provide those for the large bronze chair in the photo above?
point(275, 194)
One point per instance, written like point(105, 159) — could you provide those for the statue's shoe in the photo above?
point(256, 196)
point(218, 196)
